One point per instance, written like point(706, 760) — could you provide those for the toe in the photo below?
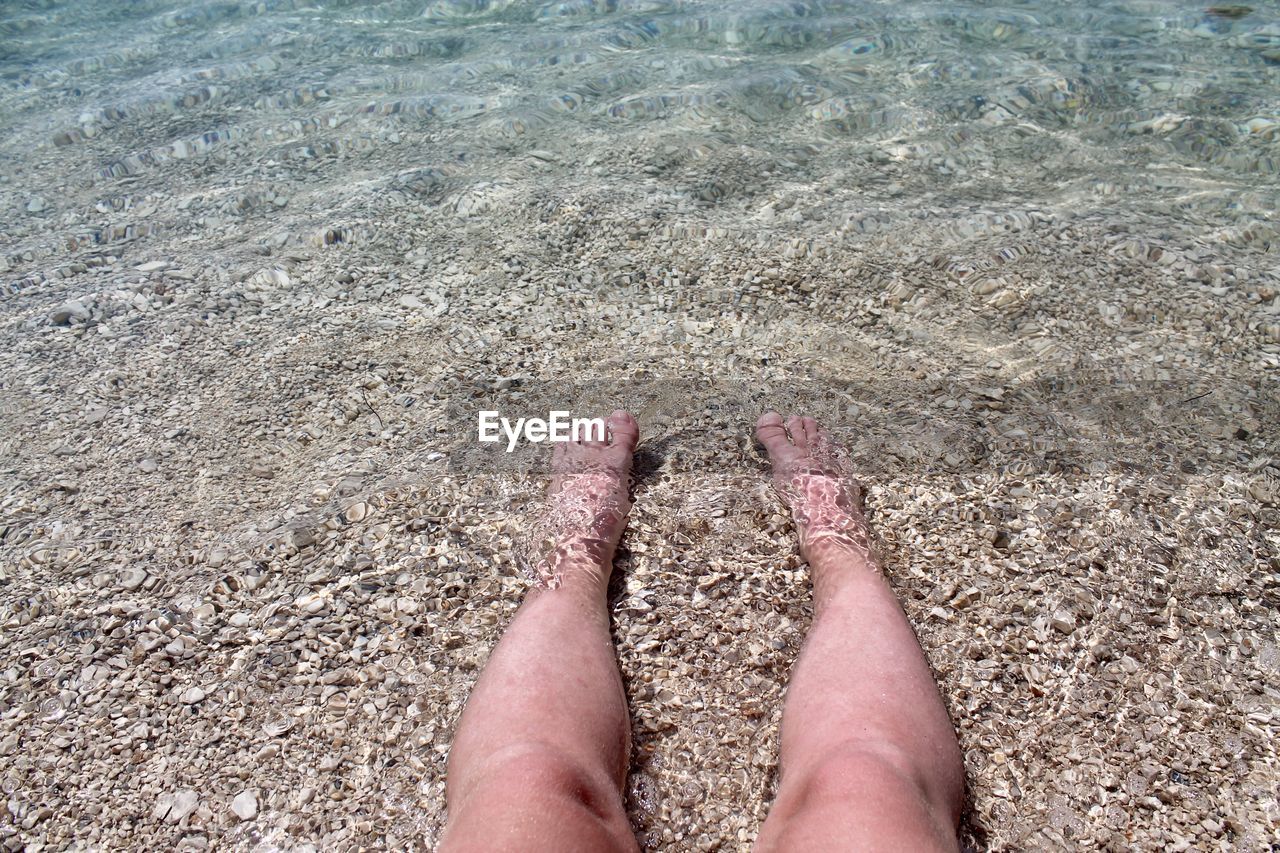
point(810, 431)
point(623, 431)
point(772, 434)
point(795, 426)
point(592, 437)
point(821, 435)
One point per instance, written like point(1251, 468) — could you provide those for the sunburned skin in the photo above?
point(827, 512)
point(814, 477)
point(583, 518)
point(587, 505)
point(586, 509)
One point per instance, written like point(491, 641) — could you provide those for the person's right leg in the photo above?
point(869, 758)
point(540, 755)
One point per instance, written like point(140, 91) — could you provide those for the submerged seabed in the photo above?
point(262, 263)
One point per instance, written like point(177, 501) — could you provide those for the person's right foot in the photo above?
point(587, 504)
point(812, 475)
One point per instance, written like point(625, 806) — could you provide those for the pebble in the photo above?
point(35, 205)
point(411, 302)
point(1063, 621)
point(192, 696)
point(133, 578)
point(173, 807)
point(278, 726)
point(311, 603)
point(149, 466)
point(301, 537)
point(245, 805)
point(68, 312)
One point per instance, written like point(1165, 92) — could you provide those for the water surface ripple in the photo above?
point(833, 118)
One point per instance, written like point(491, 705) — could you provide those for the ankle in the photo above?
point(838, 554)
point(580, 563)
point(837, 537)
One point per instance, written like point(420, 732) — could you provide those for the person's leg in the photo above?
point(869, 759)
point(540, 754)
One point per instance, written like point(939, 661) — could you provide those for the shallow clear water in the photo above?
point(803, 118)
point(260, 263)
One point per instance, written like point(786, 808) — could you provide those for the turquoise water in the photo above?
point(804, 118)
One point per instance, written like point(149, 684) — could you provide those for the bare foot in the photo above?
point(812, 474)
point(587, 504)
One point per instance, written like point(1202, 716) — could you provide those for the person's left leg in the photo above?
point(869, 757)
point(540, 755)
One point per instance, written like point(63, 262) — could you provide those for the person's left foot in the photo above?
point(588, 503)
point(811, 473)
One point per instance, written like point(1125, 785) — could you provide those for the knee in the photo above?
point(869, 773)
point(869, 794)
point(537, 770)
point(848, 770)
point(530, 796)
